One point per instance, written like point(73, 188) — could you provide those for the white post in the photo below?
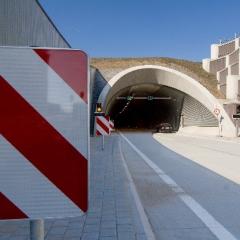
point(236, 123)
point(102, 142)
point(220, 128)
point(37, 229)
point(182, 116)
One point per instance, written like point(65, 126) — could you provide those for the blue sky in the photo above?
point(145, 28)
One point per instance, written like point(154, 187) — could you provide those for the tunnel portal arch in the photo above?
point(163, 76)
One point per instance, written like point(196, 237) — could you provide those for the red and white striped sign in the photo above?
point(102, 125)
point(43, 133)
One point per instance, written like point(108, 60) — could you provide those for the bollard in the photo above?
point(37, 229)
point(102, 142)
point(236, 125)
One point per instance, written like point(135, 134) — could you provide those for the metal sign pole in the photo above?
point(220, 120)
point(219, 131)
point(37, 229)
point(236, 118)
point(220, 128)
point(236, 123)
point(237, 127)
point(102, 142)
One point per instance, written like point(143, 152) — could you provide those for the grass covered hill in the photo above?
point(110, 66)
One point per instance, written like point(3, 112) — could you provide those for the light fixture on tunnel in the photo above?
point(130, 98)
point(150, 98)
point(99, 110)
point(99, 107)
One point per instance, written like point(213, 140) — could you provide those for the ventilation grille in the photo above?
point(195, 114)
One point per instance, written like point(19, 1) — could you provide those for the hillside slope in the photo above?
point(111, 66)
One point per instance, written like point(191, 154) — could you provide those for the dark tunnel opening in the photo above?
point(145, 106)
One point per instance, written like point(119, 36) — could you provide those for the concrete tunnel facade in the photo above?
point(191, 98)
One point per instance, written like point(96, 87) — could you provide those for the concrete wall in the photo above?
point(217, 65)
point(231, 109)
point(24, 23)
point(234, 57)
point(226, 48)
point(97, 83)
point(234, 69)
point(233, 87)
point(222, 76)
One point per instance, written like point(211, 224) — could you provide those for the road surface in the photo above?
point(188, 187)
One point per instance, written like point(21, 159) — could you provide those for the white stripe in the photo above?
point(146, 225)
point(111, 124)
point(101, 130)
point(41, 87)
point(29, 189)
point(104, 121)
point(212, 224)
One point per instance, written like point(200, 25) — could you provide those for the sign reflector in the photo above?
point(216, 111)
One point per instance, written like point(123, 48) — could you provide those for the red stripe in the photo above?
point(98, 133)
point(102, 125)
point(42, 145)
point(8, 210)
point(107, 118)
point(71, 66)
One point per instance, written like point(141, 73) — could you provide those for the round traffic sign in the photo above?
point(216, 111)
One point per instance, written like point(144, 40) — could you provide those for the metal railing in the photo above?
point(224, 41)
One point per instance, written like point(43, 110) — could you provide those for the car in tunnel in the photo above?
point(164, 128)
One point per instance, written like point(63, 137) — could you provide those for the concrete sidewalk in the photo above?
point(112, 211)
point(205, 132)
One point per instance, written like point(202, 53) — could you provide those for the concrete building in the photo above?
point(25, 23)
point(224, 62)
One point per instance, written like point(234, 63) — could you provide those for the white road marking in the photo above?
point(211, 223)
point(146, 225)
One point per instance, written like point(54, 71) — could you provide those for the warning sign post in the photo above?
point(103, 127)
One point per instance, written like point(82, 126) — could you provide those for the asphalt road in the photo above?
point(188, 187)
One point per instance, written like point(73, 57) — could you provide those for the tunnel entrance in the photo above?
point(144, 96)
point(145, 106)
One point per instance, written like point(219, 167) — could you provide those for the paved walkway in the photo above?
point(112, 211)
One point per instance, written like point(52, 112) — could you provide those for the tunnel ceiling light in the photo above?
point(149, 98)
point(130, 98)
